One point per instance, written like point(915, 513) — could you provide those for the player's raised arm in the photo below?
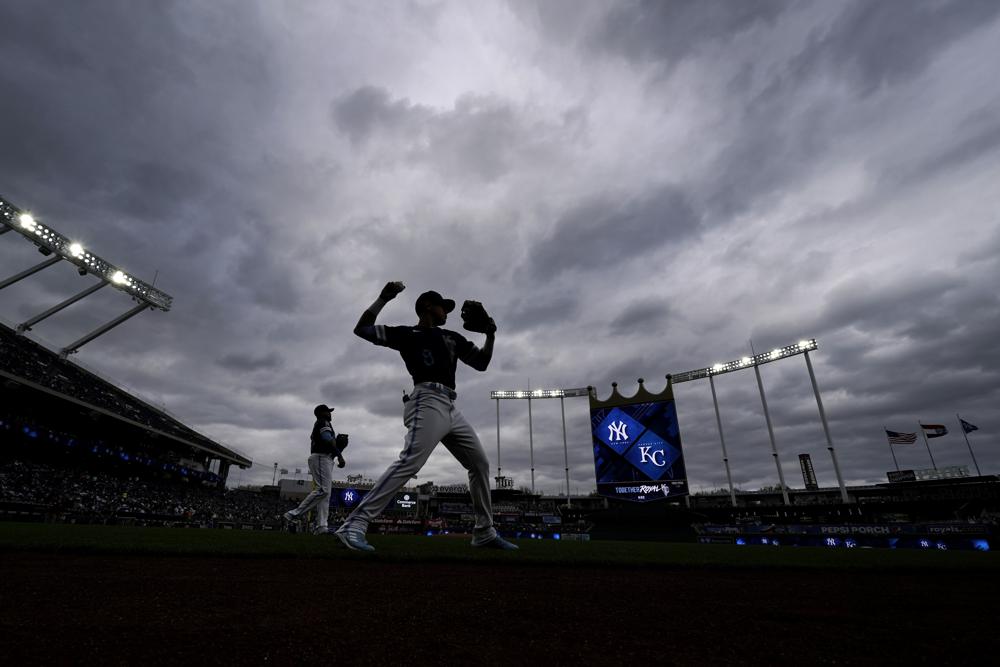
point(365, 328)
point(479, 357)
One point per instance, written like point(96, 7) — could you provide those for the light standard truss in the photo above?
point(746, 362)
point(539, 393)
point(530, 395)
point(49, 241)
point(803, 347)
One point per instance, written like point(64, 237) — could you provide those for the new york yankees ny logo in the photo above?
point(616, 431)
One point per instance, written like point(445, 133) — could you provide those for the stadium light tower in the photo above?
point(802, 347)
point(530, 395)
point(62, 248)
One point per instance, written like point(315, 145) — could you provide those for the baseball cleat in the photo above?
point(354, 540)
point(289, 517)
point(497, 543)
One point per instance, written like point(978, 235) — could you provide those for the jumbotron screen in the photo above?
point(637, 451)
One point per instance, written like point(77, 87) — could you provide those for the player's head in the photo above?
point(323, 411)
point(433, 309)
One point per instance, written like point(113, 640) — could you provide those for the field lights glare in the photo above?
point(717, 367)
point(49, 241)
point(775, 354)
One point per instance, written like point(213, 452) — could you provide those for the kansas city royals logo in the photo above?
point(645, 455)
point(617, 431)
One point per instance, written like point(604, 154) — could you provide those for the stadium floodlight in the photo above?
point(49, 240)
point(745, 362)
point(538, 393)
point(803, 347)
point(530, 395)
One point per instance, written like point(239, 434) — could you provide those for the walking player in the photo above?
point(324, 446)
point(431, 355)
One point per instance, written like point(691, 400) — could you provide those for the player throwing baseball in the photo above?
point(431, 355)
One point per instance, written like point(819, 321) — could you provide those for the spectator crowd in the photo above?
point(95, 495)
point(26, 359)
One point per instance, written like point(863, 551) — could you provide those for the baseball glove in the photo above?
point(341, 441)
point(475, 318)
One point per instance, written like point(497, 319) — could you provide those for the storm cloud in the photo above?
point(633, 189)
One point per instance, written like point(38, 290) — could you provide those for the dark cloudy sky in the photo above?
point(632, 188)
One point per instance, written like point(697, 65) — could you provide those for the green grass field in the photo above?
point(66, 538)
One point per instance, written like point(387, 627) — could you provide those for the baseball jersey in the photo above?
point(431, 354)
point(323, 439)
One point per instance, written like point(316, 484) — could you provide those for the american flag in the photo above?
point(900, 438)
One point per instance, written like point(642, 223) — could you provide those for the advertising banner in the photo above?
point(637, 446)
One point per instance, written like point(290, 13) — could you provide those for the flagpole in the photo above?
point(962, 426)
point(891, 451)
point(927, 444)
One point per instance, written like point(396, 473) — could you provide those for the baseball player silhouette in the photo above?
point(324, 446)
point(431, 355)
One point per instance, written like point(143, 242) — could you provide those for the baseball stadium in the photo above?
point(499, 332)
point(117, 522)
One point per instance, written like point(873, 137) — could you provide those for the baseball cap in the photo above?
point(433, 298)
point(321, 408)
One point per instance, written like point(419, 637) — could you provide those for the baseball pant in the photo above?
point(321, 469)
point(430, 417)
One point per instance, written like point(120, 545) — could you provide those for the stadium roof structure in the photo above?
point(58, 248)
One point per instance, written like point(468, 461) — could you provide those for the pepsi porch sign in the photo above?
point(637, 446)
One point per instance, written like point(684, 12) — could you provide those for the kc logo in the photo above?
point(646, 456)
point(616, 431)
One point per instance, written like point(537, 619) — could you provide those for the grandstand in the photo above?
point(75, 447)
point(40, 389)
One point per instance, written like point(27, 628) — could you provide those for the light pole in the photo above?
point(532, 395)
point(826, 430)
point(722, 439)
point(802, 347)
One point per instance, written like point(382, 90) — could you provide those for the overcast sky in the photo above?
point(631, 188)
